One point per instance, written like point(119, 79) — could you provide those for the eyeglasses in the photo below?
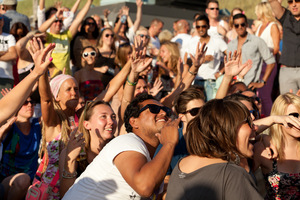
point(294, 114)
point(60, 21)
point(204, 26)
point(155, 109)
point(213, 8)
point(146, 36)
point(291, 1)
point(107, 35)
point(193, 111)
point(255, 113)
point(27, 102)
point(238, 25)
point(86, 54)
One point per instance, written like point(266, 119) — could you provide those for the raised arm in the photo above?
point(41, 13)
point(278, 10)
point(78, 19)
point(20, 93)
point(137, 22)
point(58, 15)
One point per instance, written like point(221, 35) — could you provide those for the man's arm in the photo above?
point(277, 8)
point(10, 55)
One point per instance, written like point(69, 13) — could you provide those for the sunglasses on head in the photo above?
point(107, 35)
point(155, 109)
point(238, 25)
point(198, 27)
point(294, 114)
point(27, 102)
point(193, 111)
point(291, 1)
point(146, 36)
point(213, 8)
point(86, 54)
point(255, 113)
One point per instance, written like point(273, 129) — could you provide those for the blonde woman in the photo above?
point(282, 175)
point(269, 32)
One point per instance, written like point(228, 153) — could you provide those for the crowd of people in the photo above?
point(93, 108)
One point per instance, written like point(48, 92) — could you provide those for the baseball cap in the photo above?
point(9, 2)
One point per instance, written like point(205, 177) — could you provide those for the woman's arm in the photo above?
point(275, 37)
point(44, 27)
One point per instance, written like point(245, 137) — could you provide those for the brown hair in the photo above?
point(174, 56)
point(213, 132)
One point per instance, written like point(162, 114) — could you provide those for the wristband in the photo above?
point(131, 83)
point(194, 74)
point(69, 175)
point(56, 18)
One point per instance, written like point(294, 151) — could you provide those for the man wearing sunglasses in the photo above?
point(289, 59)
point(217, 27)
point(252, 48)
point(124, 169)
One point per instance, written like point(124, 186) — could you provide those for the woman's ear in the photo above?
point(183, 117)
point(87, 125)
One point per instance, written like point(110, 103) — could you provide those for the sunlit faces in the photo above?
point(240, 26)
point(141, 87)
point(56, 26)
point(164, 54)
point(27, 109)
point(102, 124)
point(196, 103)
point(89, 56)
point(246, 135)
point(157, 28)
point(68, 94)
point(202, 28)
point(90, 26)
point(144, 37)
point(212, 10)
point(108, 36)
point(291, 131)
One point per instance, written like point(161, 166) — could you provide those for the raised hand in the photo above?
point(139, 60)
point(157, 87)
point(75, 144)
point(199, 58)
point(169, 133)
point(40, 55)
point(139, 3)
point(125, 10)
point(106, 12)
point(233, 66)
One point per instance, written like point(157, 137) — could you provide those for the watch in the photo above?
point(262, 81)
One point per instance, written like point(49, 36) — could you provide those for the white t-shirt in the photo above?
point(183, 40)
point(6, 41)
point(102, 179)
point(213, 30)
point(215, 47)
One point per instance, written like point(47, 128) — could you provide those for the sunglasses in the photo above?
point(155, 109)
point(256, 99)
point(193, 111)
point(249, 122)
point(86, 54)
point(107, 35)
point(238, 25)
point(90, 23)
point(291, 1)
point(146, 36)
point(213, 8)
point(198, 27)
point(27, 102)
point(60, 21)
point(255, 113)
point(294, 114)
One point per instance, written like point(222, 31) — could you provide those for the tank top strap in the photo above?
point(274, 164)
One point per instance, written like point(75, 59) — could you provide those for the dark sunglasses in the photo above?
point(255, 113)
point(256, 99)
point(90, 23)
point(294, 114)
point(238, 25)
point(60, 21)
point(193, 111)
point(198, 27)
point(146, 36)
point(107, 35)
point(155, 109)
point(291, 1)
point(27, 102)
point(86, 54)
point(213, 8)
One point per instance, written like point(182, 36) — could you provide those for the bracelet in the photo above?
point(194, 74)
point(239, 79)
point(56, 18)
point(69, 175)
point(131, 83)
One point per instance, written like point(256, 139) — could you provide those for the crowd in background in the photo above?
point(96, 109)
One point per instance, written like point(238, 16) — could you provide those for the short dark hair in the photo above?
point(213, 132)
point(203, 18)
point(133, 109)
point(50, 11)
point(240, 15)
point(211, 1)
point(185, 97)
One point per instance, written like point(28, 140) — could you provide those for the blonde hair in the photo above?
point(264, 10)
point(165, 35)
point(279, 108)
point(174, 56)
